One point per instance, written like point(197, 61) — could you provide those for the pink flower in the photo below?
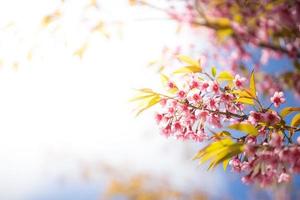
point(198, 137)
point(214, 87)
point(271, 118)
point(163, 102)
point(284, 177)
point(166, 131)
point(255, 117)
point(171, 85)
point(215, 121)
point(235, 164)
point(158, 118)
point(194, 97)
point(278, 98)
point(204, 86)
point(202, 115)
point(298, 139)
point(239, 81)
point(247, 179)
point(276, 140)
point(194, 84)
point(213, 103)
point(181, 94)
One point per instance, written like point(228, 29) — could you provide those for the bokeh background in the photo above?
point(67, 70)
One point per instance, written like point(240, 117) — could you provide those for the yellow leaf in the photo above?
point(141, 97)
point(222, 34)
point(246, 128)
point(296, 120)
point(173, 90)
point(218, 152)
point(220, 135)
point(246, 93)
point(132, 2)
point(212, 147)
point(213, 71)
point(225, 164)
point(252, 85)
point(188, 69)
point(225, 76)
point(244, 96)
point(151, 103)
point(288, 110)
point(146, 90)
point(188, 60)
point(164, 79)
point(226, 154)
point(222, 21)
point(245, 100)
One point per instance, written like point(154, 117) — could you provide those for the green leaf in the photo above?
point(288, 110)
point(213, 71)
point(296, 120)
point(225, 76)
point(245, 128)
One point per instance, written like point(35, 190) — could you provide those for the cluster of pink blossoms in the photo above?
point(268, 162)
point(199, 103)
point(241, 32)
point(204, 105)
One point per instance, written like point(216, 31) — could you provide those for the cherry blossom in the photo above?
point(208, 107)
point(277, 99)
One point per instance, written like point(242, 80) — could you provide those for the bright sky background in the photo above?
point(57, 110)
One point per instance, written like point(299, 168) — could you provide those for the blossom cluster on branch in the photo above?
point(245, 32)
point(225, 111)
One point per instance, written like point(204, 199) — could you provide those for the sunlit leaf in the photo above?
point(220, 135)
point(226, 154)
point(142, 97)
point(219, 151)
point(173, 90)
point(151, 103)
point(213, 71)
point(225, 76)
point(245, 128)
point(50, 18)
point(164, 79)
point(188, 60)
point(245, 100)
point(222, 34)
point(288, 110)
point(80, 52)
point(212, 149)
point(146, 90)
point(222, 21)
point(188, 69)
point(296, 120)
point(225, 164)
point(252, 85)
